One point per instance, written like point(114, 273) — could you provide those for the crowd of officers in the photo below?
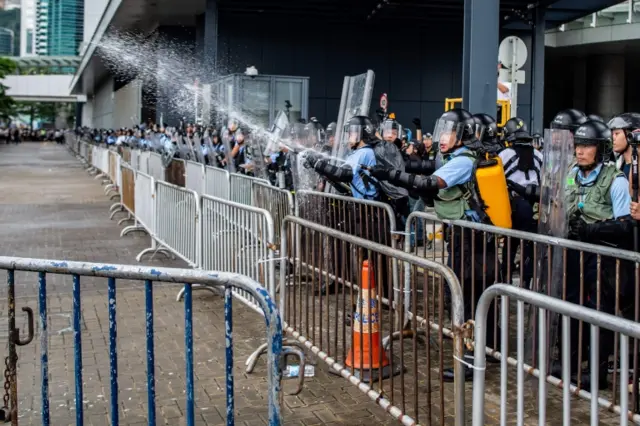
point(384, 163)
point(379, 160)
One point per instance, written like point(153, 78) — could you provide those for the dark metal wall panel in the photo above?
point(417, 68)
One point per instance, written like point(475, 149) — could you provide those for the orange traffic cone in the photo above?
point(366, 356)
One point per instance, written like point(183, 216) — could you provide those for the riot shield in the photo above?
point(276, 134)
point(356, 99)
point(198, 144)
point(553, 221)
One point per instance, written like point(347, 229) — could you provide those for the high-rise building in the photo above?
point(59, 27)
point(27, 27)
point(6, 42)
point(10, 4)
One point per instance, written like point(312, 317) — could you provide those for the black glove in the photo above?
point(380, 172)
point(417, 123)
point(310, 159)
point(530, 193)
point(579, 229)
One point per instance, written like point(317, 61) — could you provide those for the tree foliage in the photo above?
point(7, 104)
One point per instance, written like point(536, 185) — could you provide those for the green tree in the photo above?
point(7, 104)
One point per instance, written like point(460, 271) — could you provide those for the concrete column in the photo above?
point(537, 72)
point(606, 85)
point(480, 55)
point(79, 114)
point(210, 40)
point(579, 82)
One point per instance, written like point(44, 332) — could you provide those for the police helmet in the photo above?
point(515, 132)
point(314, 131)
point(487, 124)
point(594, 133)
point(297, 131)
point(331, 129)
point(363, 126)
point(595, 117)
point(456, 120)
point(568, 119)
point(628, 121)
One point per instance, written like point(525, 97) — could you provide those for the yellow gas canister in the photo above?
point(492, 185)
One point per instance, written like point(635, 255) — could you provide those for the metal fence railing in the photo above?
point(337, 312)
point(216, 182)
point(152, 277)
point(240, 188)
point(598, 323)
point(592, 276)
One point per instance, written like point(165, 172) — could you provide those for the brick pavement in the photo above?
point(51, 208)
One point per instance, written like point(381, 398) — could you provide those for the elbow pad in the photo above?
point(421, 167)
point(340, 174)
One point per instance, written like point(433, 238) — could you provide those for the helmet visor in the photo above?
point(390, 130)
point(446, 132)
point(353, 133)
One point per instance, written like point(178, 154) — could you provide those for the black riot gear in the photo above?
point(487, 132)
point(515, 132)
point(456, 120)
point(363, 127)
point(568, 119)
point(594, 133)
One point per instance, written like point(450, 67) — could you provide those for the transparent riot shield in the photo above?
point(255, 146)
point(356, 99)
point(276, 134)
point(553, 221)
point(198, 143)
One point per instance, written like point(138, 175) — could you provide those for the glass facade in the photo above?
point(60, 27)
point(6, 42)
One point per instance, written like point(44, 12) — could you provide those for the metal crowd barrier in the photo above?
point(240, 188)
point(544, 305)
point(144, 161)
point(591, 276)
point(371, 220)
point(216, 182)
point(175, 173)
point(177, 217)
point(155, 168)
point(194, 176)
point(278, 202)
point(151, 278)
point(409, 385)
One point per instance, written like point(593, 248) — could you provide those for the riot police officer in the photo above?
point(598, 200)
point(623, 127)
point(453, 183)
point(569, 119)
point(361, 133)
point(489, 137)
point(522, 164)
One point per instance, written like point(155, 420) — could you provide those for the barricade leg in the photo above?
point(132, 228)
point(155, 248)
point(197, 287)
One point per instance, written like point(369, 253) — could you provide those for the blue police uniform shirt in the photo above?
point(111, 140)
point(363, 156)
point(619, 192)
point(204, 149)
point(457, 171)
